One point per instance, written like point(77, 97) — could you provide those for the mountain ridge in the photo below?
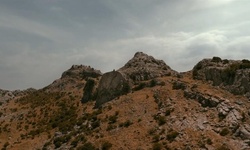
point(147, 106)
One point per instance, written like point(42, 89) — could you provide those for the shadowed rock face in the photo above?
point(229, 74)
point(111, 85)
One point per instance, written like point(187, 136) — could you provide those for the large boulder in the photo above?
point(112, 84)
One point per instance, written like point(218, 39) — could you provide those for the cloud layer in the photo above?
point(41, 39)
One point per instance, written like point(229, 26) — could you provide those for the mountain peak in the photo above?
point(144, 67)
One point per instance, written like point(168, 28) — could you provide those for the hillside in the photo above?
point(143, 105)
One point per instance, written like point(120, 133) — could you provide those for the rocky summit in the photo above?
point(141, 67)
point(144, 105)
point(228, 74)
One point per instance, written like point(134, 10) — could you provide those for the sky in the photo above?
point(40, 39)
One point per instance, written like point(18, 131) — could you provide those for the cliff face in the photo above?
point(112, 84)
point(231, 75)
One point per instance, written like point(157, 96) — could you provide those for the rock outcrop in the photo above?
point(82, 72)
point(229, 74)
point(140, 68)
point(6, 95)
point(144, 67)
point(112, 84)
point(76, 76)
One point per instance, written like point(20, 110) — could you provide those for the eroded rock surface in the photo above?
point(229, 74)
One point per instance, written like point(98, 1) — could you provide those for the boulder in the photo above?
point(112, 84)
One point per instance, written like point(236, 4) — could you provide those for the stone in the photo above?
point(111, 85)
point(223, 109)
point(243, 132)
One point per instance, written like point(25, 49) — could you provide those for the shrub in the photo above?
point(156, 138)
point(88, 90)
point(152, 131)
point(126, 124)
point(157, 146)
point(225, 61)
point(110, 127)
point(95, 124)
point(106, 145)
point(152, 83)
point(172, 135)
point(140, 86)
point(224, 132)
point(209, 141)
point(168, 112)
point(112, 119)
point(161, 120)
point(245, 61)
point(125, 88)
point(216, 59)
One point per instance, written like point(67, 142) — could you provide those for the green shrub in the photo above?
point(157, 146)
point(172, 135)
point(224, 132)
point(112, 119)
point(140, 86)
point(168, 112)
point(110, 127)
point(209, 141)
point(216, 59)
point(152, 83)
point(106, 145)
point(125, 88)
point(156, 138)
point(245, 61)
point(225, 61)
point(95, 124)
point(126, 124)
point(160, 119)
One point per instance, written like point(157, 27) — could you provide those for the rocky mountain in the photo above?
point(143, 105)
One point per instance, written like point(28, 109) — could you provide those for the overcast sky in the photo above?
point(39, 39)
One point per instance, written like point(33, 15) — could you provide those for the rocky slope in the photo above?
point(148, 106)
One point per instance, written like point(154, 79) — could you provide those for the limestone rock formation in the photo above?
point(229, 74)
point(144, 67)
point(112, 84)
point(141, 67)
point(81, 71)
point(74, 77)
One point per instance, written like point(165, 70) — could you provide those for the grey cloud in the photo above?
point(36, 34)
